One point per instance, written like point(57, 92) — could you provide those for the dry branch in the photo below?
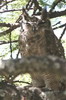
point(4, 4)
point(63, 25)
point(51, 14)
point(12, 10)
point(57, 14)
point(4, 42)
point(8, 24)
point(54, 4)
point(8, 30)
point(14, 26)
point(62, 34)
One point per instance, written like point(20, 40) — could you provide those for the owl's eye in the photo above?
point(47, 23)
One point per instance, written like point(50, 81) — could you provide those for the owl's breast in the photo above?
point(33, 43)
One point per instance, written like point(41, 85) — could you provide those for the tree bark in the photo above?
point(32, 65)
point(47, 64)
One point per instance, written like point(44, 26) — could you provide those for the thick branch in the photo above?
point(8, 24)
point(32, 65)
point(57, 14)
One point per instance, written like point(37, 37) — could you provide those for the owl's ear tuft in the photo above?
point(44, 14)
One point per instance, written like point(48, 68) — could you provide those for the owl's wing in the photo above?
point(54, 46)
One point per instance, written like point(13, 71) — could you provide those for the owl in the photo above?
point(37, 37)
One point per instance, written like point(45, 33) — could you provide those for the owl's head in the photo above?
point(35, 23)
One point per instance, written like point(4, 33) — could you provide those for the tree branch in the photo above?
point(4, 42)
point(54, 14)
point(10, 10)
point(6, 3)
point(8, 30)
point(54, 4)
point(62, 34)
point(51, 15)
point(50, 64)
point(60, 26)
point(8, 24)
point(57, 14)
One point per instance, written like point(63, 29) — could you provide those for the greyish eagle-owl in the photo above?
point(38, 39)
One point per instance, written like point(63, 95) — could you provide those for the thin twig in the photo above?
point(17, 54)
point(4, 42)
point(57, 23)
point(54, 4)
point(62, 34)
point(6, 3)
point(21, 82)
point(10, 10)
point(10, 35)
point(59, 26)
point(9, 30)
